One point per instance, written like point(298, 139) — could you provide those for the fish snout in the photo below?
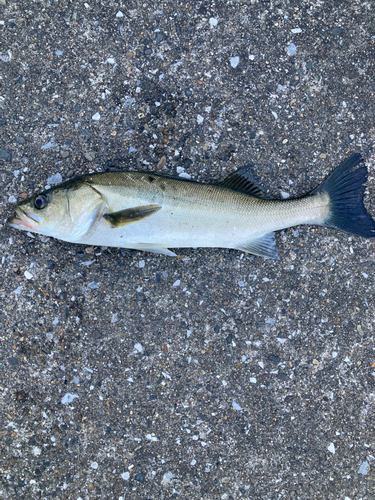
point(25, 220)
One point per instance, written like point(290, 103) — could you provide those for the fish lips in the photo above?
point(25, 220)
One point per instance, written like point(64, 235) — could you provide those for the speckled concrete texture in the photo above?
point(214, 374)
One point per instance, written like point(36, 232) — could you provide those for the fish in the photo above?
point(156, 213)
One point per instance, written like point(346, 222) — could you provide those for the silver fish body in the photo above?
point(151, 212)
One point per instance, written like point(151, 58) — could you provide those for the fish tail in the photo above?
point(345, 188)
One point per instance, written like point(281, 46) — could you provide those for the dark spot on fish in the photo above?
point(162, 187)
point(150, 178)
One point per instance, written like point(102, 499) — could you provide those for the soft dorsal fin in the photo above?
point(242, 181)
point(130, 215)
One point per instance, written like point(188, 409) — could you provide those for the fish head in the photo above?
point(66, 211)
point(42, 213)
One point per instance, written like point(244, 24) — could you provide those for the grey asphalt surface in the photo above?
point(215, 374)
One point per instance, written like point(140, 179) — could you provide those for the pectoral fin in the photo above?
point(264, 246)
point(130, 215)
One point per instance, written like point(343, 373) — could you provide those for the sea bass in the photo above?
point(153, 212)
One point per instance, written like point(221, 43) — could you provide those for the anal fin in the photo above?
point(130, 215)
point(264, 246)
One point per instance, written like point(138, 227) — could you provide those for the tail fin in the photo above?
point(346, 187)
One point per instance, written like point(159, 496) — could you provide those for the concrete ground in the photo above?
point(214, 374)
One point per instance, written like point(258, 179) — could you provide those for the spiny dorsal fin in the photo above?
point(130, 215)
point(242, 181)
point(264, 246)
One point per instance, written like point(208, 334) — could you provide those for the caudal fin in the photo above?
point(346, 187)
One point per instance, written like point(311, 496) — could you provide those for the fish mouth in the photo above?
point(25, 220)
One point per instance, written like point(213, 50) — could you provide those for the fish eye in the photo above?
point(40, 201)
